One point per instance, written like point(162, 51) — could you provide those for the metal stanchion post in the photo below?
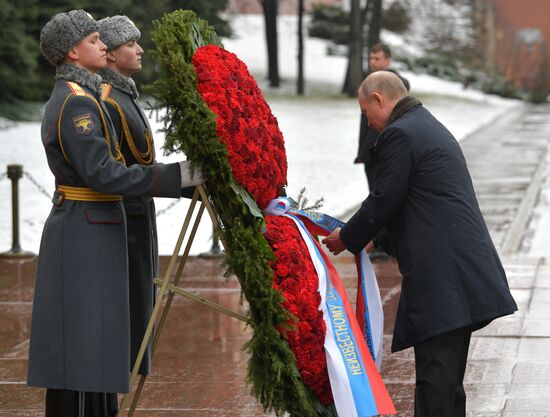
point(15, 172)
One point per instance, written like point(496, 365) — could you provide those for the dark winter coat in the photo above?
point(136, 143)
point(80, 335)
point(365, 155)
point(423, 193)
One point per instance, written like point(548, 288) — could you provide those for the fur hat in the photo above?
point(63, 31)
point(117, 30)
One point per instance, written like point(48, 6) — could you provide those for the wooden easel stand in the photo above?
point(171, 288)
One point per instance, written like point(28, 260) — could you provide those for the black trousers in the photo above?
point(440, 365)
point(66, 403)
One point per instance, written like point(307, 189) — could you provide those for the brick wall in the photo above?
point(523, 41)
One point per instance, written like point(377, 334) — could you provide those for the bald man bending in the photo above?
point(453, 280)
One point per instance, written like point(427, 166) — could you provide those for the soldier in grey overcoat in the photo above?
point(120, 94)
point(80, 334)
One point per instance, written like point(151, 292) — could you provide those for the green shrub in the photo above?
point(497, 84)
point(538, 96)
point(329, 22)
point(396, 18)
point(436, 65)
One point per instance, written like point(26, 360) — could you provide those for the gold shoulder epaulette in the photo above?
point(144, 158)
point(105, 90)
point(77, 90)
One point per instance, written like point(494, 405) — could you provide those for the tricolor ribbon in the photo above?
point(352, 344)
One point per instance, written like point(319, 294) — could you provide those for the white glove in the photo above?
point(188, 180)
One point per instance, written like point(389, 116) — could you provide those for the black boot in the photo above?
point(100, 404)
point(64, 403)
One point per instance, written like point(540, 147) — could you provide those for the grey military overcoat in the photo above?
point(80, 334)
point(136, 143)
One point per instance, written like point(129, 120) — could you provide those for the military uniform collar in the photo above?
point(80, 76)
point(120, 82)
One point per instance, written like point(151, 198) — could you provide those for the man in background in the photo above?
point(379, 60)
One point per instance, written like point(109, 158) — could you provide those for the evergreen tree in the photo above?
point(143, 13)
point(18, 51)
point(208, 10)
point(26, 76)
point(35, 17)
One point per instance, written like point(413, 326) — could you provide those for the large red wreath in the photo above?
point(296, 277)
point(245, 123)
point(257, 157)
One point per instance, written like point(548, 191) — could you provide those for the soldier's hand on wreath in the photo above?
point(188, 178)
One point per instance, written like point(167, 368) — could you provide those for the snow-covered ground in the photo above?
point(320, 133)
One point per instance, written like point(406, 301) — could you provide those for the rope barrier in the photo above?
point(40, 188)
point(168, 207)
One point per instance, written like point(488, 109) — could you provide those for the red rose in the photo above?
point(290, 285)
point(245, 124)
point(308, 311)
point(295, 276)
point(309, 340)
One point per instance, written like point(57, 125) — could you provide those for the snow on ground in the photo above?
point(320, 130)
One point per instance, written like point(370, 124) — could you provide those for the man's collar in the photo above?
point(80, 76)
point(120, 82)
point(403, 106)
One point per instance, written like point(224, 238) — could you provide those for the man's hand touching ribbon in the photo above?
point(334, 243)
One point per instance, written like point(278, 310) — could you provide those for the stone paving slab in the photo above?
point(492, 157)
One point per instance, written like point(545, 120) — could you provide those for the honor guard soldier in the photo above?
point(120, 94)
point(80, 334)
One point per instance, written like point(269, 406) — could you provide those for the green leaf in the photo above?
point(250, 203)
point(195, 37)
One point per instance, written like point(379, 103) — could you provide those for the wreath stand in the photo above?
point(172, 288)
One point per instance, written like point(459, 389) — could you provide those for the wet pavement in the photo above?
point(507, 161)
point(199, 367)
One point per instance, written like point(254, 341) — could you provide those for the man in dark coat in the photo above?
point(380, 58)
point(453, 281)
point(80, 335)
point(120, 94)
